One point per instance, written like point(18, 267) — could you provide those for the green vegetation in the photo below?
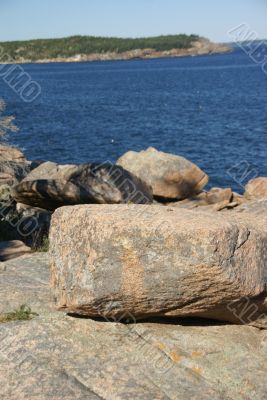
point(43, 247)
point(85, 45)
point(24, 313)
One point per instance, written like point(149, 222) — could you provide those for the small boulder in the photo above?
point(13, 249)
point(217, 195)
point(170, 176)
point(256, 189)
point(216, 199)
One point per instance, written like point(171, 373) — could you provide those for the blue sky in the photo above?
point(30, 19)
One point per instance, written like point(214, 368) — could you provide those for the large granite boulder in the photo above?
point(62, 357)
point(155, 260)
point(170, 176)
point(56, 186)
point(256, 189)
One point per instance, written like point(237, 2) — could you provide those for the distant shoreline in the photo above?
point(198, 47)
point(121, 57)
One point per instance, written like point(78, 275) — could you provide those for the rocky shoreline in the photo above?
point(201, 47)
point(152, 288)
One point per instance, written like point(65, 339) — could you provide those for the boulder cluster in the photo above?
point(142, 242)
point(139, 238)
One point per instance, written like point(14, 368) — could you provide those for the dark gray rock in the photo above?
point(112, 184)
point(89, 183)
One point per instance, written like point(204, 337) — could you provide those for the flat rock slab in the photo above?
point(25, 281)
point(64, 358)
point(154, 260)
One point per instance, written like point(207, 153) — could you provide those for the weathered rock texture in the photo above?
point(59, 357)
point(24, 280)
point(56, 186)
point(170, 176)
point(257, 188)
point(257, 207)
point(62, 358)
point(154, 260)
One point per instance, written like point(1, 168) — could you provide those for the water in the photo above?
point(209, 109)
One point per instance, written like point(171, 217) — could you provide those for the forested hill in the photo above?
point(86, 46)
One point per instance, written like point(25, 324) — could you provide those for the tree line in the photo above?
point(68, 47)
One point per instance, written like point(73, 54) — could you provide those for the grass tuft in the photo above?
point(43, 247)
point(24, 313)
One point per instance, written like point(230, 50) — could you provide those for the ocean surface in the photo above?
point(209, 109)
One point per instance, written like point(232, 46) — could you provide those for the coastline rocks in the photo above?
point(154, 261)
point(217, 195)
point(170, 176)
point(216, 199)
point(13, 249)
point(13, 165)
point(12, 172)
point(88, 183)
point(8, 153)
point(256, 189)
